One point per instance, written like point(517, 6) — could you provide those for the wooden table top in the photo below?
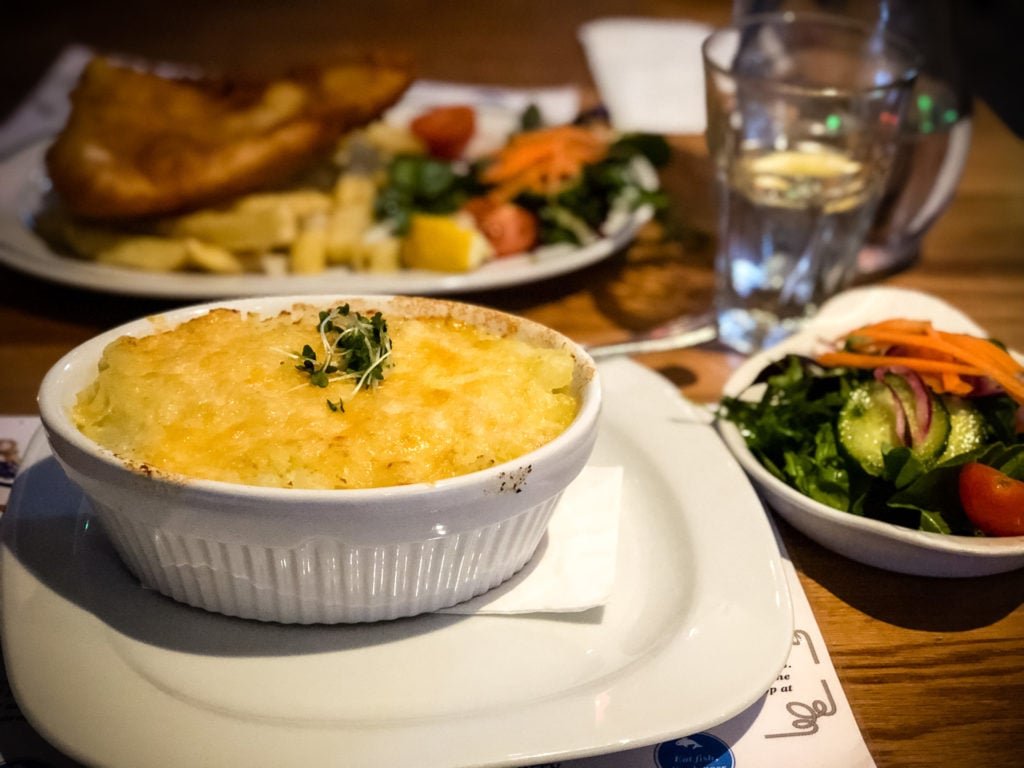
point(932, 668)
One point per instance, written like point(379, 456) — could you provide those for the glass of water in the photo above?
point(805, 113)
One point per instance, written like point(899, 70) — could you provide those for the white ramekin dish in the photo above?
point(318, 556)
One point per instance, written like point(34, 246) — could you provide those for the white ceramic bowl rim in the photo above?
point(54, 411)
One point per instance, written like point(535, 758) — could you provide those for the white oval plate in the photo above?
point(873, 542)
point(698, 625)
point(25, 185)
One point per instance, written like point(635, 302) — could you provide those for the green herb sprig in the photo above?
point(353, 347)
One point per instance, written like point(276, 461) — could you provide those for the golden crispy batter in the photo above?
point(140, 144)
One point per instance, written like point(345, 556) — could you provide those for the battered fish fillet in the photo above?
point(139, 144)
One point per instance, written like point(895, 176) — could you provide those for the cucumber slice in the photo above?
point(867, 424)
point(967, 427)
point(930, 447)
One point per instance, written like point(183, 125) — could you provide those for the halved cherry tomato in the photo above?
point(993, 500)
point(445, 130)
point(508, 227)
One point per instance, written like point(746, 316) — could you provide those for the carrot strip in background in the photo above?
point(542, 161)
point(943, 358)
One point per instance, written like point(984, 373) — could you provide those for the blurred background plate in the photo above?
point(25, 186)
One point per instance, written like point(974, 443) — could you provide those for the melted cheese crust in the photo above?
point(220, 398)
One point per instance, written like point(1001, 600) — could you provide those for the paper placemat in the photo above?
point(803, 719)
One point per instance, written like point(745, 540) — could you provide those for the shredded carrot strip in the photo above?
point(542, 161)
point(957, 346)
point(953, 384)
point(855, 360)
point(943, 359)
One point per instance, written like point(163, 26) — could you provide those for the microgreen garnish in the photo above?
point(354, 347)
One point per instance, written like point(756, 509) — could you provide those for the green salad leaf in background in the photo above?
point(575, 215)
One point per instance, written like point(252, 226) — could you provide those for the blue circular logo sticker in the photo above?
point(702, 750)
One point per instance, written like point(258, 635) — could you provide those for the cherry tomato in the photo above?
point(993, 500)
point(508, 227)
point(445, 130)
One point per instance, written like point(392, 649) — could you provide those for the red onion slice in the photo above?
point(922, 405)
point(983, 386)
point(901, 414)
point(922, 401)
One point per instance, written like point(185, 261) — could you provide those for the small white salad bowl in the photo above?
point(323, 556)
point(872, 542)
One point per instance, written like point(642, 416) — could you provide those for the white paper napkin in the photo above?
point(45, 110)
point(649, 72)
point(574, 568)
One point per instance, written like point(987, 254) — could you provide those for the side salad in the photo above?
point(546, 185)
point(899, 422)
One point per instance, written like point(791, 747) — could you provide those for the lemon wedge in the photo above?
point(444, 244)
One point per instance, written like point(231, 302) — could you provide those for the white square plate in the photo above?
point(697, 627)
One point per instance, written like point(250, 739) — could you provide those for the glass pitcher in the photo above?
point(934, 149)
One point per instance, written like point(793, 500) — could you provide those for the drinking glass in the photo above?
point(937, 133)
point(804, 119)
